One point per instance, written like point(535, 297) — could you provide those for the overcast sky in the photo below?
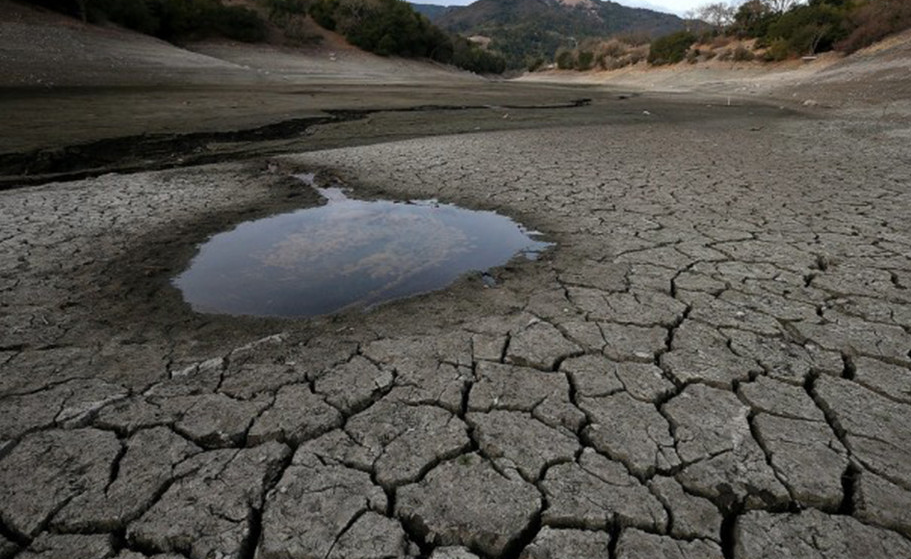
point(672, 6)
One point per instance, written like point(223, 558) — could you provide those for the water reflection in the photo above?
point(346, 253)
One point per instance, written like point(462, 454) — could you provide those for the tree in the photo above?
point(753, 18)
point(719, 15)
point(670, 49)
point(808, 29)
point(780, 6)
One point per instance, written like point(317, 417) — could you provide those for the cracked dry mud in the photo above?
point(713, 362)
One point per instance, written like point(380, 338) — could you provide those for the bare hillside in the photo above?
point(876, 76)
point(42, 48)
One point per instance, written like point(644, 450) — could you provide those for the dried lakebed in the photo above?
point(714, 362)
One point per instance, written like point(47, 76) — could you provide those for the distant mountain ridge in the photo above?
point(431, 11)
point(522, 30)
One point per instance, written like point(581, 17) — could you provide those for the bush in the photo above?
point(384, 27)
point(238, 23)
point(753, 19)
point(614, 48)
point(875, 20)
point(809, 29)
point(636, 56)
point(633, 38)
point(171, 19)
point(299, 30)
point(535, 64)
point(471, 57)
point(778, 50)
point(392, 27)
point(692, 56)
point(323, 13)
point(132, 14)
point(720, 41)
point(742, 54)
point(278, 8)
point(584, 60)
point(564, 59)
point(670, 49)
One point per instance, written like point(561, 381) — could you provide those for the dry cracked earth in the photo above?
point(712, 363)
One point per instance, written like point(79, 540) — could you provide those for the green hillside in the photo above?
point(523, 30)
point(430, 11)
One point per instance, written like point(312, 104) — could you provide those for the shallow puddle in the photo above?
point(347, 253)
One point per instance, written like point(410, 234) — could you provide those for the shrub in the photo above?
point(636, 56)
point(535, 64)
point(633, 38)
point(809, 29)
point(613, 48)
point(238, 23)
point(670, 49)
point(471, 57)
point(707, 35)
point(778, 50)
point(692, 56)
point(172, 19)
point(323, 13)
point(874, 21)
point(720, 41)
point(133, 14)
point(564, 59)
point(753, 19)
point(285, 7)
point(297, 29)
point(584, 60)
point(742, 54)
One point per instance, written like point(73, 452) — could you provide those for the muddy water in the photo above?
point(347, 253)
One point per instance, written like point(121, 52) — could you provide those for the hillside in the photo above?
point(523, 30)
point(872, 82)
point(431, 11)
point(42, 48)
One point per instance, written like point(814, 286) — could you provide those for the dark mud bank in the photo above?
point(148, 152)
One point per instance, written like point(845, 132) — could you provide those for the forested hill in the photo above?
point(522, 30)
point(432, 11)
